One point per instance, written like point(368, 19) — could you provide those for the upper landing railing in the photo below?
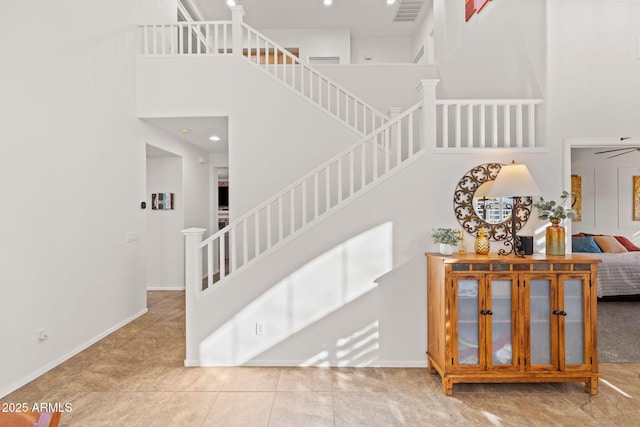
point(236, 38)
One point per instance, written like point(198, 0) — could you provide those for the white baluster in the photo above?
point(221, 254)
point(519, 132)
point(445, 125)
point(507, 126)
point(495, 125)
point(245, 242)
point(483, 137)
point(470, 125)
point(280, 219)
point(532, 125)
point(268, 209)
point(210, 265)
point(232, 249)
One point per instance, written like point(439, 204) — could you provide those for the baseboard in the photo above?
point(302, 363)
point(13, 387)
point(165, 288)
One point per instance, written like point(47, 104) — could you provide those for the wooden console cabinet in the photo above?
point(494, 318)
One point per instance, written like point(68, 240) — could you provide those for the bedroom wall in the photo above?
point(607, 192)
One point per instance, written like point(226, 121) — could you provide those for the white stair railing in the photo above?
point(186, 38)
point(236, 37)
point(311, 84)
point(486, 123)
point(314, 196)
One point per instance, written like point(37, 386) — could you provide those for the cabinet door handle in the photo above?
point(564, 313)
point(483, 311)
point(556, 312)
point(490, 313)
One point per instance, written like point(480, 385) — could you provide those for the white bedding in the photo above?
point(618, 274)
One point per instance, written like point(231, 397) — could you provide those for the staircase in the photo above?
point(386, 147)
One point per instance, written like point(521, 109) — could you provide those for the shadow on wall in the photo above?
point(325, 313)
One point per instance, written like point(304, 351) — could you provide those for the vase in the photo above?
point(481, 245)
point(446, 249)
point(555, 238)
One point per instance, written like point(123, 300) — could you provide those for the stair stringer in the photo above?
point(319, 289)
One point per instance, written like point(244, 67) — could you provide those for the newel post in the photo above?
point(237, 14)
point(427, 93)
point(192, 284)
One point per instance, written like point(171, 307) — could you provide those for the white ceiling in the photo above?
point(200, 129)
point(364, 18)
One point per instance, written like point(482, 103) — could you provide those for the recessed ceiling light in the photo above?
point(185, 130)
point(231, 3)
point(328, 2)
point(391, 1)
point(214, 138)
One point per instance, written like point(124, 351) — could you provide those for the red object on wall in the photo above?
point(470, 8)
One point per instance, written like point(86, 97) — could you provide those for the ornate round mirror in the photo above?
point(475, 209)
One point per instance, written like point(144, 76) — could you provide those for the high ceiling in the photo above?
point(364, 18)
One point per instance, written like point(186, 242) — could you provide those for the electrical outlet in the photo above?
point(42, 334)
point(259, 328)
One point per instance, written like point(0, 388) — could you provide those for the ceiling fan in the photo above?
point(625, 150)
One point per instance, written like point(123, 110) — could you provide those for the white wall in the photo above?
point(383, 86)
point(499, 53)
point(165, 242)
point(275, 135)
point(381, 50)
point(314, 42)
point(594, 82)
point(73, 170)
point(607, 192)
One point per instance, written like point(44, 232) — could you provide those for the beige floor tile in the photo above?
point(107, 409)
point(202, 379)
point(184, 409)
point(136, 377)
point(410, 379)
point(304, 379)
point(241, 409)
point(251, 379)
point(358, 379)
point(365, 409)
point(309, 409)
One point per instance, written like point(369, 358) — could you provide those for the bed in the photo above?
point(619, 272)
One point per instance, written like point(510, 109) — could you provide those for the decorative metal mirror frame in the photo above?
point(467, 216)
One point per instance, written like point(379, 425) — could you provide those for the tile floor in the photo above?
point(135, 377)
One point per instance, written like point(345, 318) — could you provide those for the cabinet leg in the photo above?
point(430, 367)
point(447, 386)
point(591, 386)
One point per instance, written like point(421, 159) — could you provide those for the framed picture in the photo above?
point(162, 201)
point(473, 6)
point(576, 201)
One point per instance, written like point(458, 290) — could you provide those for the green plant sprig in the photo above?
point(555, 211)
point(448, 236)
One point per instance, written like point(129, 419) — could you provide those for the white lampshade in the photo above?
point(514, 180)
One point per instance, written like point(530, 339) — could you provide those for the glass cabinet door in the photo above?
point(468, 345)
point(573, 319)
point(541, 323)
point(499, 316)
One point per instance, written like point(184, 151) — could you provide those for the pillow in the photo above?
point(584, 244)
point(609, 244)
point(628, 244)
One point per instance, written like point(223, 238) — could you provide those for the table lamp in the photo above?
point(513, 181)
